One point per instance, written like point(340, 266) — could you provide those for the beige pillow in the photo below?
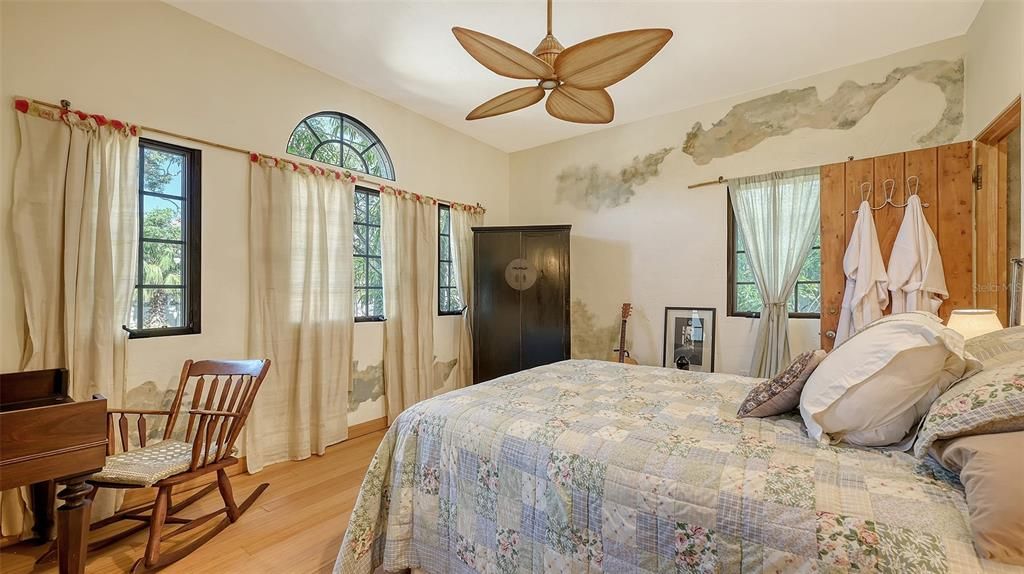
point(874, 388)
point(991, 468)
point(781, 393)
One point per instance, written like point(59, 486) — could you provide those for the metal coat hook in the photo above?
point(916, 186)
point(865, 195)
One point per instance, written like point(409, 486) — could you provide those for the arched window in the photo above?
point(338, 139)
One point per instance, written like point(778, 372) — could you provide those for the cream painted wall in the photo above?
point(994, 62)
point(667, 245)
point(151, 64)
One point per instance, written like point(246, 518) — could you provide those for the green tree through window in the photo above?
point(338, 139)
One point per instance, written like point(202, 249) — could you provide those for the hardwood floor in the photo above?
point(295, 527)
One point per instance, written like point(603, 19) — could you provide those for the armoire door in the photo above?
point(545, 318)
point(496, 321)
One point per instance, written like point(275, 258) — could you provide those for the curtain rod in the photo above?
point(722, 180)
point(66, 105)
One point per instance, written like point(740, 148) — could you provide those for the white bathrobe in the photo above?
point(867, 285)
point(916, 279)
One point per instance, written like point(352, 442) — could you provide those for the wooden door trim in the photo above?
point(1002, 126)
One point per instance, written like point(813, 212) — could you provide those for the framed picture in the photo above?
point(690, 338)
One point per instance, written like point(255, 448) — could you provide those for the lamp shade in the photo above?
point(974, 322)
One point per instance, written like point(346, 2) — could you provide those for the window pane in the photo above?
point(376, 303)
point(359, 240)
point(162, 172)
point(374, 276)
point(162, 308)
point(328, 127)
point(374, 213)
point(743, 272)
point(791, 304)
point(446, 217)
point(161, 218)
point(445, 269)
point(359, 303)
point(446, 248)
point(373, 241)
point(811, 270)
point(328, 153)
point(162, 263)
point(302, 141)
point(748, 300)
point(808, 297)
point(358, 271)
point(360, 203)
point(442, 302)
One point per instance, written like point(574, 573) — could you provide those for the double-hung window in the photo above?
point(167, 287)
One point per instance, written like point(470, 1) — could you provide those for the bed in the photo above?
point(592, 466)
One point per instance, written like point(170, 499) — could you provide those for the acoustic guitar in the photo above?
point(621, 355)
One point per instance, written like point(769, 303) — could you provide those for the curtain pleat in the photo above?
point(409, 247)
point(462, 222)
point(778, 215)
point(301, 315)
point(75, 225)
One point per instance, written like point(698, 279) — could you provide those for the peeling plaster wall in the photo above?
point(247, 96)
point(640, 236)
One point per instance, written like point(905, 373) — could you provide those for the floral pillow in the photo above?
point(989, 402)
point(781, 393)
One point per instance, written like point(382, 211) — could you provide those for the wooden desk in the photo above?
point(47, 438)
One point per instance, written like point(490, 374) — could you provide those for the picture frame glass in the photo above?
point(690, 338)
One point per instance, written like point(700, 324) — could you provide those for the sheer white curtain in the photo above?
point(409, 247)
point(75, 221)
point(778, 215)
point(300, 299)
point(463, 220)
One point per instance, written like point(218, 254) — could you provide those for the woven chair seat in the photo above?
point(148, 465)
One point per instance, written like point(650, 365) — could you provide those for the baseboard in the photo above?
point(371, 426)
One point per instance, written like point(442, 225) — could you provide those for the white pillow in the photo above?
point(874, 388)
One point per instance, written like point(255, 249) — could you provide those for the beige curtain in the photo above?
point(409, 247)
point(778, 215)
point(463, 221)
point(75, 225)
point(300, 299)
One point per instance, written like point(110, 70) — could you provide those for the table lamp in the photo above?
point(974, 322)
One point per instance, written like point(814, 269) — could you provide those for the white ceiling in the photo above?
point(404, 51)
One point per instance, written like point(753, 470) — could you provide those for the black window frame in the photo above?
point(191, 242)
point(361, 191)
point(731, 283)
point(452, 286)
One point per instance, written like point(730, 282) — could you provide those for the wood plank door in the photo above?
point(833, 247)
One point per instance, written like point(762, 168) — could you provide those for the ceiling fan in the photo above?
point(576, 76)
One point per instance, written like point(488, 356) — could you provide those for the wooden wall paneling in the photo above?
point(923, 164)
point(1002, 273)
point(857, 172)
point(956, 224)
point(986, 210)
point(833, 247)
point(888, 176)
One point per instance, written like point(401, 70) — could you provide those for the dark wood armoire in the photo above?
point(521, 298)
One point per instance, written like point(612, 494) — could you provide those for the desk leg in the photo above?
point(42, 510)
point(73, 525)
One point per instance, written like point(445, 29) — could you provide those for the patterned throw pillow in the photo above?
point(989, 402)
point(781, 393)
point(998, 348)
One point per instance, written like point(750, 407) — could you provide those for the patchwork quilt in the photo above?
point(591, 466)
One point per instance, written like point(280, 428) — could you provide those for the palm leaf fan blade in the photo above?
point(581, 106)
point(605, 60)
point(501, 57)
point(507, 102)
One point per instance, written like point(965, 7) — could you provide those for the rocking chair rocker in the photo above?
point(219, 409)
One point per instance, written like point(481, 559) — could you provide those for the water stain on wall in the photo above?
point(367, 384)
point(593, 188)
point(443, 370)
point(751, 122)
point(148, 396)
point(593, 338)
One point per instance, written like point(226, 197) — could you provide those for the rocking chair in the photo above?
point(218, 411)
